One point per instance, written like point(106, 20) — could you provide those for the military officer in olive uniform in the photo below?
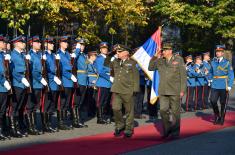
point(125, 84)
point(171, 88)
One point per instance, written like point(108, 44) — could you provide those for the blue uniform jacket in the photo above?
point(51, 70)
point(200, 76)
point(36, 69)
point(221, 74)
point(191, 76)
point(207, 67)
point(92, 74)
point(81, 67)
point(18, 68)
point(103, 71)
point(2, 74)
point(66, 69)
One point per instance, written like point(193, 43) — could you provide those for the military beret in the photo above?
point(64, 39)
point(103, 44)
point(34, 39)
point(19, 39)
point(220, 48)
point(167, 46)
point(80, 40)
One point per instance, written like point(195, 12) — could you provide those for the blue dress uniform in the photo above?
point(18, 69)
point(3, 92)
point(80, 92)
point(66, 96)
point(104, 84)
point(206, 88)
point(222, 77)
point(191, 86)
point(200, 82)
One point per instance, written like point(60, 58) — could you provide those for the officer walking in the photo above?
point(171, 88)
point(103, 84)
point(222, 76)
point(125, 84)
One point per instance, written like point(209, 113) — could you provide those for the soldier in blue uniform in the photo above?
point(68, 80)
point(206, 87)
point(191, 83)
point(200, 82)
point(52, 96)
point(222, 76)
point(37, 82)
point(82, 81)
point(19, 82)
point(4, 86)
point(103, 84)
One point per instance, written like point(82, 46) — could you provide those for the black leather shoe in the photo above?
point(217, 120)
point(128, 134)
point(221, 121)
point(117, 132)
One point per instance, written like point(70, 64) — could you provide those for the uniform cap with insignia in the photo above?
point(90, 53)
point(103, 45)
point(2, 38)
point(220, 48)
point(64, 39)
point(19, 39)
point(121, 48)
point(49, 40)
point(34, 39)
point(189, 56)
point(206, 53)
point(167, 46)
point(80, 40)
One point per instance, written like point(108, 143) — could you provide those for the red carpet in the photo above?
point(107, 144)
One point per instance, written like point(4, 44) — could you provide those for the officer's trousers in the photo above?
point(51, 101)
point(206, 91)
point(3, 103)
point(170, 113)
point(127, 101)
point(19, 97)
point(199, 97)
point(66, 97)
point(215, 95)
point(190, 98)
point(34, 101)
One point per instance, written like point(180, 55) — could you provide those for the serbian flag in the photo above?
point(143, 56)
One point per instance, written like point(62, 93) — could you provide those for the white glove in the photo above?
point(7, 85)
point(7, 57)
point(57, 80)
point(25, 82)
point(229, 88)
point(73, 55)
point(209, 82)
point(57, 57)
point(28, 57)
point(73, 78)
point(78, 46)
point(43, 81)
point(111, 79)
point(44, 57)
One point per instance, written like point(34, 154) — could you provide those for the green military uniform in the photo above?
point(126, 82)
point(172, 82)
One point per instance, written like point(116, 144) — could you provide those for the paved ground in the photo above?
point(220, 142)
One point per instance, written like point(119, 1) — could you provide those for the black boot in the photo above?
point(49, 123)
point(61, 125)
point(100, 119)
point(30, 119)
point(74, 114)
point(216, 113)
point(2, 137)
point(222, 114)
point(45, 119)
point(14, 128)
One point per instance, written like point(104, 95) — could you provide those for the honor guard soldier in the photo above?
point(54, 82)
point(125, 85)
point(200, 82)
point(103, 83)
point(171, 88)
point(4, 85)
point(68, 80)
point(206, 88)
point(82, 81)
point(19, 82)
point(92, 81)
point(191, 83)
point(222, 77)
point(37, 82)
